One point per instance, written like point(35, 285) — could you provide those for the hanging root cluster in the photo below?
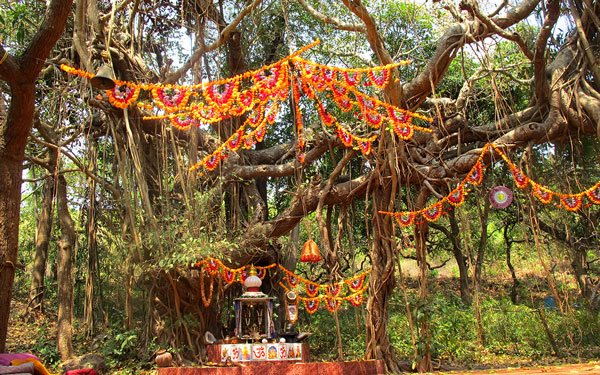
point(184, 305)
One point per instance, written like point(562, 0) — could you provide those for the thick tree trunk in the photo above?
point(65, 282)
point(21, 74)
point(382, 282)
point(42, 240)
point(10, 197)
point(13, 137)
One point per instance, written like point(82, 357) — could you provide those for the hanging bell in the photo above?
point(310, 252)
point(104, 79)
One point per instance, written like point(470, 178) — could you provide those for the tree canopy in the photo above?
point(515, 80)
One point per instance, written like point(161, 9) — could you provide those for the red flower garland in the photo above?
point(457, 196)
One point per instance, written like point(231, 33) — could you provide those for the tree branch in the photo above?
point(331, 20)
point(223, 36)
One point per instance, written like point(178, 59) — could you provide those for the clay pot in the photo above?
point(163, 358)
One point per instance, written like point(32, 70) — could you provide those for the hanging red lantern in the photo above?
point(310, 252)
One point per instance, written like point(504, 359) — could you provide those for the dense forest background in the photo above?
point(110, 218)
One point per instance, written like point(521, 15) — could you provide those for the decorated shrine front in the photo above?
point(248, 352)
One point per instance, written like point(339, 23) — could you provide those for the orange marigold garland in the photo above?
point(222, 97)
point(373, 118)
point(246, 99)
point(184, 121)
point(229, 275)
point(75, 71)
point(344, 136)
point(334, 290)
point(433, 213)
point(257, 116)
point(356, 299)
point(405, 219)
point(312, 289)
point(213, 265)
point(292, 279)
point(356, 283)
point(351, 78)
point(365, 144)
point(344, 103)
point(327, 118)
point(520, 179)
point(333, 304)
point(594, 194)
point(211, 162)
point(206, 300)
point(312, 305)
point(171, 99)
point(571, 202)
point(476, 175)
point(121, 96)
point(379, 78)
point(457, 196)
point(541, 193)
point(235, 141)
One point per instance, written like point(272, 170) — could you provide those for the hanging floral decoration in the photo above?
point(331, 302)
point(356, 300)
point(121, 96)
point(312, 305)
point(292, 279)
point(334, 290)
point(457, 197)
point(312, 289)
point(261, 91)
point(356, 283)
point(570, 202)
point(544, 195)
point(315, 292)
point(229, 275)
point(593, 194)
point(206, 299)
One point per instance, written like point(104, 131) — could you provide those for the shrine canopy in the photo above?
point(257, 97)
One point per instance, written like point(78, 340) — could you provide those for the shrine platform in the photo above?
point(281, 367)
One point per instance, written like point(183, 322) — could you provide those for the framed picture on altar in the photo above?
point(235, 353)
point(259, 352)
point(282, 352)
point(245, 352)
point(272, 352)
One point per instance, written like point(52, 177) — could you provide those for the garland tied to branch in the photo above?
point(570, 202)
point(356, 285)
point(260, 92)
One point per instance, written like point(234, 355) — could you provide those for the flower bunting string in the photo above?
point(331, 294)
point(570, 202)
point(261, 91)
point(320, 78)
point(332, 302)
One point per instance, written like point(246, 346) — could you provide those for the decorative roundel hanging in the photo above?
point(501, 197)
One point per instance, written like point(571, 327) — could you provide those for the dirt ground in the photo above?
point(588, 368)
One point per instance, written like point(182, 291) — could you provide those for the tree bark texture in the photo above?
point(382, 282)
point(20, 73)
point(65, 279)
point(42, 241)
